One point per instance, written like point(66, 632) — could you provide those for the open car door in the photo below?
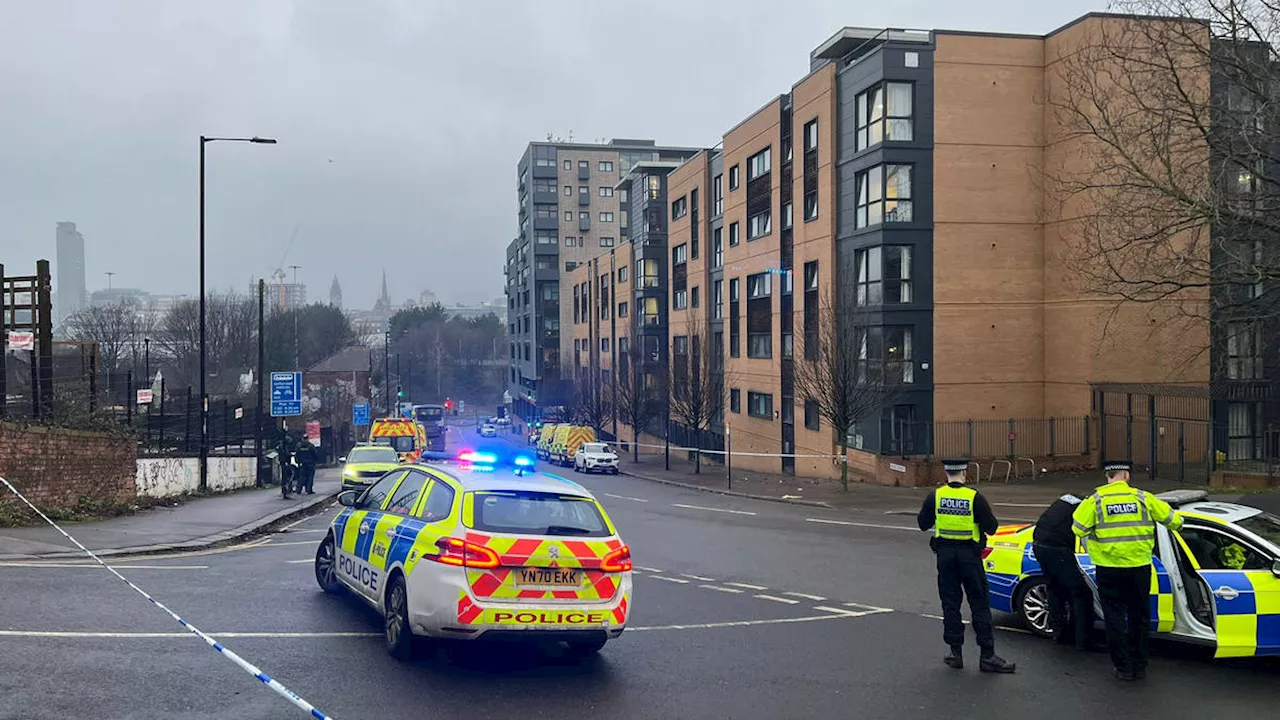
point(1162, 590)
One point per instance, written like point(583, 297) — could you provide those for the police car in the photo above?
point(366, 463)
point(480, 548)
point(1216, 581)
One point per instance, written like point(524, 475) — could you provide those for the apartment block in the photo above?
point(569, 211)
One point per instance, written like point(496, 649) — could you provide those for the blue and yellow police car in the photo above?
point(1216, 582)
point(478, 546)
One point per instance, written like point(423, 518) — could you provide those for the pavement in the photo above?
point(743, 608)
point(189, 525)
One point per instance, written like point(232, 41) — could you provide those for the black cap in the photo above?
point(955, 465)
point(1114, 465)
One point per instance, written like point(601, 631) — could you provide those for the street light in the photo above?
point(204, 396)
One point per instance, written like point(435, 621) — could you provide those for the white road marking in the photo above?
point(96, 566)
point(647, 569)
point(296, 532)
point(299, 562)
point(624, 497)
point(872, 608)
point(858, 524)
point(670, 579)
point(805, 596)
point(751, 623)
point(711, 509)
point(303, 520)
point(699, 577)
point(788, 601)
point(286, 544)
point(147, 635)
point(746, 586)
point(1021, 505)
point(851, 613)
point(720, 589)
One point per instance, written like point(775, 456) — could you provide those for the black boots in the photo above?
point(955, 658)
point(995, 664)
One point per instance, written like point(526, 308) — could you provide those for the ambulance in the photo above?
point(405, 435)
point(565, 444)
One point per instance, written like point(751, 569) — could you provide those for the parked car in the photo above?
point(595, 457)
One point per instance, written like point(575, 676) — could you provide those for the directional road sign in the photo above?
point(286, 394)
point(360, 414)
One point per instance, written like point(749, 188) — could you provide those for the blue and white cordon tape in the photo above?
point(245, 665)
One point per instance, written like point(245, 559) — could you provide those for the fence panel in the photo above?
point(1015, 437)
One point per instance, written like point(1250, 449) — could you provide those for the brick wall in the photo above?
point(57, 468)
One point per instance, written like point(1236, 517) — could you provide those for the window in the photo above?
point(1244, 351)
point(606, 217)
point(374, 496)
point(544, 212)
point(679, 300)
point(885, 352)
point(811, 135)
point(649, 311)
point(605, 166)
point(883, 275)
point(622, 274)
point(544, 186)
point(604, 345)
point(679, 208)
point(733, 178)
point(733, 289)
point(759, 225)
point(680, 345)
point(624, 345)
point(622, 310)
point(717, 195)
point(1244, 430)
point(528, 512)
point(758, 164)
point(717, 248)
point(759, 286)
point(693, 297)
point(735, 400)
point(439, 503)
point(733, 234)
point(568, 164)
point(786, 216)
point(911, 59)
point(811, 415)
point(717, 299)
point(760, 405)
point(647, 270)
point(811, 205)
point(679, 254)
point(584, 165)
point(654, 185)
point(584, 216)
point(570, 241)
point(406, 495)
point(883, 113)
point(606, 191)
point(568, 190)
point(544, 238)
point(606, 242)
point(884, 195)
point(1216, 550)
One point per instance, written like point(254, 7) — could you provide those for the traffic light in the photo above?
point(448, 404)
point(400, 392)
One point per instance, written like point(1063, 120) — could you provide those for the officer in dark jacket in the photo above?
point(307, 458)
point(1070, 600)
point(284, 456)
point(961, 519)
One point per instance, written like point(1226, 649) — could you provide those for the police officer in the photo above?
point(306, 456)
point(1070, 601)
point(961, 518)
point(1116, 522)
point(284, 456)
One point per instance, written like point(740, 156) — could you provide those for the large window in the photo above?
point(811, 135)
point(759, 225)
point(733, 234)
point(759, 285)
point(622, 274)
point(1244, 351)
point(717, 195)
point(812, 417)
point(758, 164)
point(544, 238)
point(885, 353)
point(1244, 431)
point(647, 270)
point(680, 300)
point(679, 208)
point(717, 248)
point(759, 316)
point(760, 405)
point(884, 195)
point(649, 311)
point(883, 275)
point(733, 178)
point(884, 113)
point(717, 299)
point(679, 254)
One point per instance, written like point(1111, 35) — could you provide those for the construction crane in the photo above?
point(278, 274)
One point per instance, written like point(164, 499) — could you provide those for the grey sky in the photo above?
point(400, 121)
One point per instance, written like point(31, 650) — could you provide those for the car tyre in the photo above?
point(585, 648)
point(398, 634)
point(326, 566)
point(1031, 603)
point(613, 470)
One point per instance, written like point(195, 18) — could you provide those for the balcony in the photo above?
point(584, 223)
point(545, 198)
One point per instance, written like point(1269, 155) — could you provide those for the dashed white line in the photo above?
point(297, 532)
point(711, 509)
point(1021, 505)
point(746, 586)
point(805, 596)
point(774, 598)
point(624, 497)
point(717, 588)
point(858, 524)
point(299, 562)
point(647, 569)
point(95, 566)
point(748, 623)
point(146, 635)
point(670, 579)
point(698, 577)
point(872, 608)
point(295, 542)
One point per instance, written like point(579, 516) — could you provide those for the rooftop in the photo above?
point(352, 359)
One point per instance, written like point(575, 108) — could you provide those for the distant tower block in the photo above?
point(335, 293)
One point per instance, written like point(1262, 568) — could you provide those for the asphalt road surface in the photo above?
point(743, 609)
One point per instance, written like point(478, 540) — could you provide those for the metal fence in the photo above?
point(1014, 437)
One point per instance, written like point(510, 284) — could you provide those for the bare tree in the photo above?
point(231, 323)
point(638, 402)
point(117, 329)
point(591, 400)
point(1169, 187)
point(837, 369)
point(696, 381)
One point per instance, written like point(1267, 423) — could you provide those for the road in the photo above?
point(743, 609)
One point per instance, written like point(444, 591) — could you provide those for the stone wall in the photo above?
point(58, 468)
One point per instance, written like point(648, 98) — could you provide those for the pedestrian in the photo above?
point(1116, 522)
point(306, 455)
point(1070, 600)
point(961, 518)
point(284, 456)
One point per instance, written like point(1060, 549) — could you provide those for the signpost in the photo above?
point(145, 396)
point(360, 414)
point(286, 394)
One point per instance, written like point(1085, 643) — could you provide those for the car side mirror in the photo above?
point(1275, 568)
point(342, 459)
point(348, 498)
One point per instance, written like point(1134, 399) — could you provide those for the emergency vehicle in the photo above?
point(1215, 582)
point(478, 548)
point(567, 441)
point(545, 436)
point(405, 435)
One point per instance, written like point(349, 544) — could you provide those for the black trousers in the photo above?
point(960, 575)
point(286, 478)
point(1126, 608)
point(307, 480)
point(1070, 601)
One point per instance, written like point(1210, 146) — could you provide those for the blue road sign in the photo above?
point(286, 386)
point(286, 408)
point(360, 414)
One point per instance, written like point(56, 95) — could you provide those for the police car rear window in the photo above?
point(537, 513)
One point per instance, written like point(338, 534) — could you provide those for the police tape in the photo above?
point(245, 665)
point(704, 451)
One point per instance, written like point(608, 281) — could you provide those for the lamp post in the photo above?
point(146, 358)
point(204, 396)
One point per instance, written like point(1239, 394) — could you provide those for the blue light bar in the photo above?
point(481, 458)
point(523, 461)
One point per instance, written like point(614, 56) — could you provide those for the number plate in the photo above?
point(548, 577)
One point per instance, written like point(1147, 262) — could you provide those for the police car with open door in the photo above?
point(480, 547)
point(1215, 582)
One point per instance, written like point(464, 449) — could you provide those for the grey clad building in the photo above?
point(70, 271)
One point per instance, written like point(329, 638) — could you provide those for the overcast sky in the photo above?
point(400, 121)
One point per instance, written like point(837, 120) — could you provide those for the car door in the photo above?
point(392, 528)
point(1246, 593)
point(432, 519)
point(1162, 616)
point(357, 536)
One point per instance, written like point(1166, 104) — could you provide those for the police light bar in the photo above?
point(480, 458)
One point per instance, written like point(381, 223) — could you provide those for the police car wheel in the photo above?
point(585, 648)
point(398, 635)
point(1032, 606)
point(327, 566)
